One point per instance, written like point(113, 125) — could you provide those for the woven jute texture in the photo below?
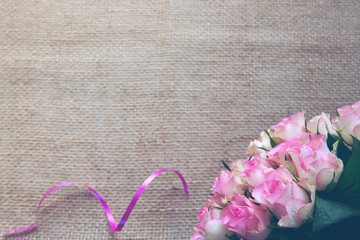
point(106, 92)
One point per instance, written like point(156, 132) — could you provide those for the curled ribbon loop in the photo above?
point(108, 213)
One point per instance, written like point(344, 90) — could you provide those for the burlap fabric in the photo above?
point(106, 92)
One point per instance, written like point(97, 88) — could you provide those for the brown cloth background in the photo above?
point(106, 92)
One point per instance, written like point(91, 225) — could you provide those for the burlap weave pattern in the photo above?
point(106, 92)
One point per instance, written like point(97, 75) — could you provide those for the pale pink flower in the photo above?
point(315, 162)
point(308, 157)
point(255, 170)
point(289, 202)
point(210, 226)
point(288, 127)
point(260, 145)
point(348, 122)
point(226, 185)
point(237, 166)
point(280, 154)
point(321, 124)
point(246, 219)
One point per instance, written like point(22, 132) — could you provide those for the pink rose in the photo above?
point(260, 145)
point(210, 226)
point(237, 166)
point(288, 127)
point(246, 219)
point(280, 154)
point(321, 124)
point(348, 122)
point(255, 170)
point(226, 185)
point(308, 157)
point(315, 162)
point(289, 202)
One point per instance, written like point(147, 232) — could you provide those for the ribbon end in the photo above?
point(187, 193)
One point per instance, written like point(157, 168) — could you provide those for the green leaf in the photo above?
point(278, 235)
point(248, 194)
point(330, 212)
point(274, 225)
point(301, 233)
point(283, 233)
point(220, 208)
point(335, 147)
point(346, 229)
point(296, 179)
point(225, 165)
point(330, 140)
point(349, 182)
point(317, 128)
point(266, 150)
point(233, 237)
point(350, 196)
point(343, 152)
point(272, 142)
point(332, 185)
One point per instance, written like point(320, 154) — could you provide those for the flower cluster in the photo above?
point(284, 172)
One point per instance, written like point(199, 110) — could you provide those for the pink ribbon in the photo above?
point(108, 213)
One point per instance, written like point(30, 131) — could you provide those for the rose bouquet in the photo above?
point(300, 180)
